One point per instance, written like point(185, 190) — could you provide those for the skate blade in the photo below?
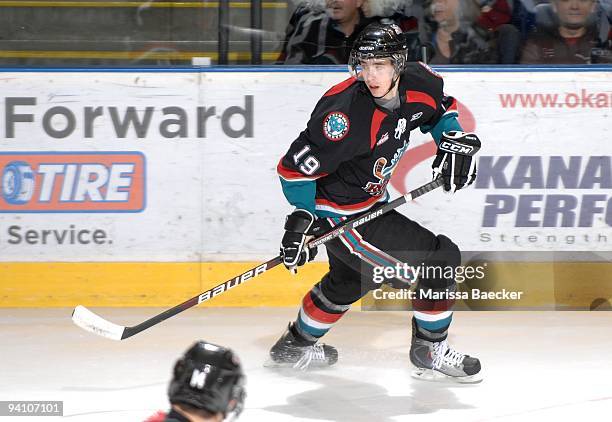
point(272, 364)
point(425, 374)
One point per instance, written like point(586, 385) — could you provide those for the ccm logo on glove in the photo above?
point(456, 148)
point(454, 160)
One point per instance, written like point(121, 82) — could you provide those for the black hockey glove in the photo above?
point(293, 248)
point(454, 160)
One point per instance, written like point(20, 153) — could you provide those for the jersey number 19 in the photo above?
point(309, 165)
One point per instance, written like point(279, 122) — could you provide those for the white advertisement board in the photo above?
point(181, 166)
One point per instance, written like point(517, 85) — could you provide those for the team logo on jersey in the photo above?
point(336, 126)
point(400, 128)
point(382, 170)
point(383, 139)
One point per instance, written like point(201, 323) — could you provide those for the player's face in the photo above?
point(343, 10)
point(378, 75)
point(574, 13)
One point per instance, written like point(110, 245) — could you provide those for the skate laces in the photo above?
point(314, 353)
point(444, 354)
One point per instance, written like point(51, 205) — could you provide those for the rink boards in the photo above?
point(140, 187)
point(544, 286)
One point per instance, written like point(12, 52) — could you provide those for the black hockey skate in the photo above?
point(293, 351)
point(436, 360)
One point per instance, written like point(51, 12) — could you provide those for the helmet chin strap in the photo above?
point(389, 90)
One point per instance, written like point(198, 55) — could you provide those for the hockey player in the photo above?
point(340, 165)
point(207, 386)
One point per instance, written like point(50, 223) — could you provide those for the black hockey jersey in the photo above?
point(342, 162)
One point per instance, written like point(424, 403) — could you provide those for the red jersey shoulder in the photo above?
point(419, 85)
point(416, 75)
point(331, 117)
point(158, 417)
point(342, 86)
point(430, 70)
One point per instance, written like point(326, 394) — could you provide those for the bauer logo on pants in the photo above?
point(72, 182)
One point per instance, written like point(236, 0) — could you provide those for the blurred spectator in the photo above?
point(496, 17)
point(567, 33)
point(509, 41)
point(494, 13)
point(606, 9)
point(395, 11)
point(455, 36)
point(322, 33)
point(523, 16)
point(389, 11)
point(207, 385)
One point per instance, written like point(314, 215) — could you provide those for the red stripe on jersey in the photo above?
point(286, 173)
point(434, 312)
point(366, 246)
point(336, 89)
point(318, 314)
point(158, 417)
point(453, 106)
point(350, 207)
point(420, 97)
point(377, 119)
point(430, 306)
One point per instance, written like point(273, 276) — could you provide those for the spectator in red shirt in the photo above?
point(455, 36)
point(494, 13)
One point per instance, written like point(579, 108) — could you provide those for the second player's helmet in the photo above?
point(209, 377)
point(380, 41)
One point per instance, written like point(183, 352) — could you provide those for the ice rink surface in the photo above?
point(544, 366)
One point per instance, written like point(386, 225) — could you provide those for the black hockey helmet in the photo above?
point(380, 41)
point(208, 377)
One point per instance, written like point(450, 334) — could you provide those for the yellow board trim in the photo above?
point(161, 4)
point(66, 284)
point(128, 55)
point(33, 284)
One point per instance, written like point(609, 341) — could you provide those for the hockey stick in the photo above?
point(90, 321)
